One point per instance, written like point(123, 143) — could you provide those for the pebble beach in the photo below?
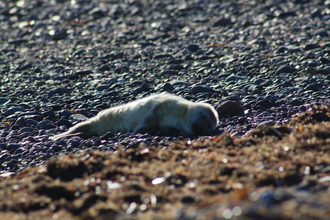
point(63, 62)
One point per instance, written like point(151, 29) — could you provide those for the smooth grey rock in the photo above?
point(193, 47)
point(230, 108)
point(46, 124)
point(266, 123)
point(13, 110)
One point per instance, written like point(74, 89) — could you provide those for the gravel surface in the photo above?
point(275, 172)
point(62, 61)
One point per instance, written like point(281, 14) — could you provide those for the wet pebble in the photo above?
point(59, 91)
point(46, 124)
point(63, 121)
point(222, 22)
point(193, 47)
point(200, 89)
point(168, 87)
point(13, 146)
point(311, 46)
point(169, 72)
point(102, 87)
point(76, 118)
point(58, 70)
point(60, 35)
point(266, 123)
point(104, 68)
point(284, 69)
point(229, 108)
point(13, 110)
point(31, 122)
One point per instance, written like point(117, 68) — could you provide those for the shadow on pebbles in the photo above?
point(274, 172)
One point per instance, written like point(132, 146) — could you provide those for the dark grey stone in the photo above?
point(13, 146)
point(168, 87)
point(169, 72)
point(266, 123)
point(13, 110)
point(199, 89)
point(193, 47)
point(284, 69)
point(46, 124)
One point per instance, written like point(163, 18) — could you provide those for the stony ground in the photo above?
point(276, 172)
point(62, 62)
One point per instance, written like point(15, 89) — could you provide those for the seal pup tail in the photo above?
point(82, 129)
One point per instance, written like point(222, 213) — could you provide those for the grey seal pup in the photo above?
point(160, 110)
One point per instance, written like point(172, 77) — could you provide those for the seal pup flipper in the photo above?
point(151, 121)
point(82, 129)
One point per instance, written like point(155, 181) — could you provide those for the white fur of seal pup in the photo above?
point(161, 110)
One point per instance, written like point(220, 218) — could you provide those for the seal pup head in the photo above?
point(202, 119)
